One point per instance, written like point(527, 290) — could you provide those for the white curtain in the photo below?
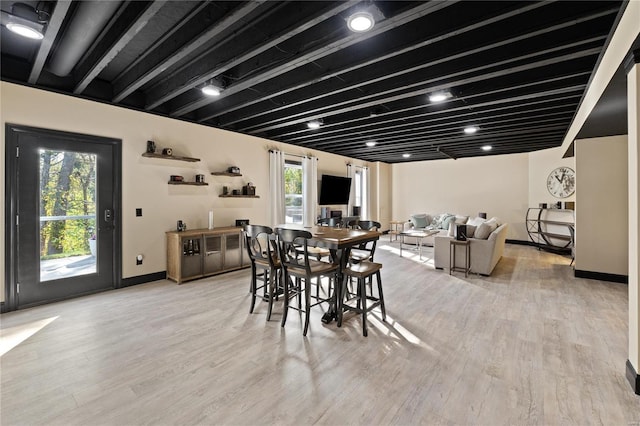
point(309, 191)
point(351, 172)
point(276, 187)
point(366, 195)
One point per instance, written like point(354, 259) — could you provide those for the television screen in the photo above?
point(334, 190)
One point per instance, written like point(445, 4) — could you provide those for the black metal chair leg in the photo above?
point(253, 288)
point(307, 305)
point(285, 277)
point(271, 291)
point(381, 297)
point(362, 288)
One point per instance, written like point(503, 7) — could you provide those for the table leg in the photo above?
point(340, 257)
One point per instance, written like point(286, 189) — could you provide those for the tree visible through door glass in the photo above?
point(68, 237)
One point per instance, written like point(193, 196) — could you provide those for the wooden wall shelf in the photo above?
point(226, 174)
point(238, 196)
point(171, 182)
point(170, 157)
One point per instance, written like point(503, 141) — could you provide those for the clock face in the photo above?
point(561, 182)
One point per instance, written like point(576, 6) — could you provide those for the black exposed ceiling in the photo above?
point(516, 69)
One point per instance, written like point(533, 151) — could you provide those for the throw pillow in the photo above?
point(461, 220)
point(446, 220)
point(471, 231)
point(419, 220)
point(476, 221)
point(436, 221)
point(483, 231)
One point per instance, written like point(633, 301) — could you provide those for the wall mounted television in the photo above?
point(334, 190)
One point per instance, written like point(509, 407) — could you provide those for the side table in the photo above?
point(453, 244)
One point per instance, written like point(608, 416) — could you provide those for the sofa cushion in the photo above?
point(484, 230)
point(419, 220)
point(477, 221)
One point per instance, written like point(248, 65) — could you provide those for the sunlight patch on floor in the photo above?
point(411, 253)
point(13, 336)
point(395, 330)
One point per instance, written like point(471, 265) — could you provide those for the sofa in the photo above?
point(428, 222)
point(485, 253)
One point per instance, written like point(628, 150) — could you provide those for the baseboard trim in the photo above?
point(601, 276)
point(633, 378)
point(141, 279)
point(520, 242)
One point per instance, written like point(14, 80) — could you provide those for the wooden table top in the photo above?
point(336, 238)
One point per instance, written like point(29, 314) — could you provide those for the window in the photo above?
point(293, 191)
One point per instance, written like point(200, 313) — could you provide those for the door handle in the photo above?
point(108, 215)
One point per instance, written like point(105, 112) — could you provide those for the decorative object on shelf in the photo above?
point(167, 151)
point(249, 189)
point(176, 178)
point(569, 205)
point(233, 169)
point(561, 182)
point(242, 222)
point(542, 205)
point(181, 226)
point(236, 192)
point(200, 178)
point(225, 190)
point(151, 147)
point(210, 219)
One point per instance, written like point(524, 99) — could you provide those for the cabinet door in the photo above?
point(191, 257)
point(213, 254)
point(233, 251)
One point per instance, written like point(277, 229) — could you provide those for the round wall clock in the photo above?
point(561, 182)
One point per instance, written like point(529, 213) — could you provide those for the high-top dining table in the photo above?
point(339, 242)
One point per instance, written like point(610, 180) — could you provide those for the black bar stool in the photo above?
point(298, 272)
point(263, 255)
point(362, 271)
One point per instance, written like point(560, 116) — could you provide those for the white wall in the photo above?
point(602, 205)
point(145, 179)
point(497, 185)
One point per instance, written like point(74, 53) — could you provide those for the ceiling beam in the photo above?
point(53, 28)
point(165, 56)
point(429, 85)
point(289, 103)
point(115, 37)
point(341, 127)
point(422, 9)
point(205, 69)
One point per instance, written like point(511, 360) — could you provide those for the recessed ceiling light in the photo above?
point(314, 124)
point(370, 143)
point(360, 22)
point(487, 148)
point(25, 31)
point(470, 130)
point(406, 155)
point(211, 90)
point(439, 96)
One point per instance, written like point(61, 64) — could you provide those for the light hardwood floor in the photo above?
point(528, 345)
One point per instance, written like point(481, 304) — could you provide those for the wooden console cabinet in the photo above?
point(200, 253)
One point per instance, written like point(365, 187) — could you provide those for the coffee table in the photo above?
point(418, 235)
